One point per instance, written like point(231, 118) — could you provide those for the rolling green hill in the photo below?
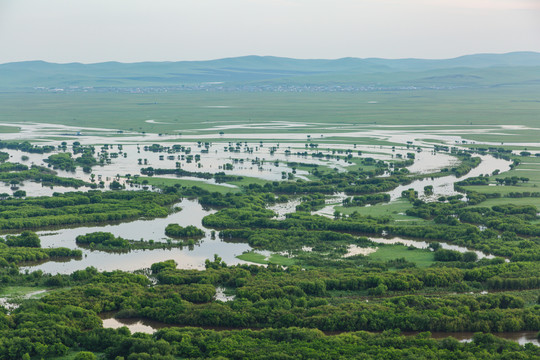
point(257, 71)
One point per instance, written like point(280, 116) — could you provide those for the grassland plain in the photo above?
point(162, 182)
point(8, 129)
point(452, 111)
point(395, 210)
point(422, 258)
point(262, 259)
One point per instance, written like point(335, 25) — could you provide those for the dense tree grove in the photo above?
point(270, 297)
point(14, 172)
point(25, 239)
point(64, 161)
point(83, 208)
point(16, 255)
point(104, 239)
point(220, 177)
point(365, 200)
point(4, 156)
point(175, 230)
point(196, 343)
point(26, 146)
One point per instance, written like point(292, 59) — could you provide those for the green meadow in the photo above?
point(422, 258)
point(395, 210)
point(470, 113)
point(162, 182)
point(262, 259)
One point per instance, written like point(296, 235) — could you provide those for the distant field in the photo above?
point(248, 180)
point(453, 111)
point(502, 201)
point(160, 182)
point(8, 129)
point(422, 258)
point(530, 147)
point(504, 190)
point(396, 210)
point(261, 259)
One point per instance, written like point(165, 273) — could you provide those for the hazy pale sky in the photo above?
point(171, 30)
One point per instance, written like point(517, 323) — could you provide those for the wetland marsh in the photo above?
point(338, 226)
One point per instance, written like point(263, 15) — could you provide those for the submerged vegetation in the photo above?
point(190, 231)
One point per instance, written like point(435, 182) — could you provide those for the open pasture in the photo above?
point(471, 114)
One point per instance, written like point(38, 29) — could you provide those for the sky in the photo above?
point(90, 31)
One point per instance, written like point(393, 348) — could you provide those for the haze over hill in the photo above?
point(259, 73)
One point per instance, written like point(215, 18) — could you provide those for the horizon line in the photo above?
point(268, 56)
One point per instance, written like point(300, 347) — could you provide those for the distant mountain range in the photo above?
point(271, 73)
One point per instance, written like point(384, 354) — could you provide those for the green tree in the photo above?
point(85, 355)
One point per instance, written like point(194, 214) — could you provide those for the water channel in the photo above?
point(192, 214)
point(266, 159)
point(151, 326)
point(186, 257)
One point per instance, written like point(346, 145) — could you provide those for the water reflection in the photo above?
point(444, 186)
point(521, 337)
point(150, 326)
point(135, 325)
point(266, 160)
point(331, 201)
point(187, 258)
point(282, 209)
point(12, 302)
point(424, 245)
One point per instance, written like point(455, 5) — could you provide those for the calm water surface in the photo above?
point(187, 257)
